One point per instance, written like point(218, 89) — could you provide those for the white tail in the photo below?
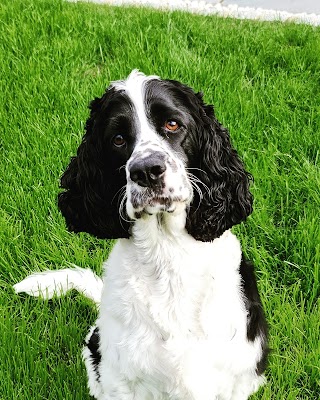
point(56, 283)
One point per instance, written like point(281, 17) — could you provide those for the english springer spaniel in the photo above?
point(180, 316)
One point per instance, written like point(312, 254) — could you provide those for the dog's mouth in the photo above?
point(140, 204)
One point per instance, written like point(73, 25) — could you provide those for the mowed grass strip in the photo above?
point(264, 80)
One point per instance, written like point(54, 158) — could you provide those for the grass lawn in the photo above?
point(264, 79)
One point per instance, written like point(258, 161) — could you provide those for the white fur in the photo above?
point(56, 283)
point(172, 319)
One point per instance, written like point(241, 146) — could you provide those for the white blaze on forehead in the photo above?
point(134, 86)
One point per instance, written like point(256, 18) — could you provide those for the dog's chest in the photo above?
point(170, 290)
point(161, 305)
point(171, 287)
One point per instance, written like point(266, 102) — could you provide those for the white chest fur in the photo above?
point(172, 316)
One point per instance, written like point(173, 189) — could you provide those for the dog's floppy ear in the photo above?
point(225, 198)
point(91, 200)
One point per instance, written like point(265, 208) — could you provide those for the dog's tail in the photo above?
point(56, 283)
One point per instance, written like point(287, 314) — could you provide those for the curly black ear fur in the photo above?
point(217, 165)
point(91, 200)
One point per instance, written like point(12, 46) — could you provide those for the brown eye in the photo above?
point(172, 125)
point(119, 141)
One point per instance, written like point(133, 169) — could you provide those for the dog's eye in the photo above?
point(172, 125)
point(119, 141)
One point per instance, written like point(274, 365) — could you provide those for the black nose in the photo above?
point(148, 172)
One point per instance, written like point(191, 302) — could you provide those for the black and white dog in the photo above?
point(180, 316)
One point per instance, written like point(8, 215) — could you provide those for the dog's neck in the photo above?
point(160, 242)
point(151, 231)
point(160, 258)
point(161, 255)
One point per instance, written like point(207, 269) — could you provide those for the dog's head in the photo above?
point(152, 146)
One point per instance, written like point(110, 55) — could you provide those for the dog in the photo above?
point(180, 317)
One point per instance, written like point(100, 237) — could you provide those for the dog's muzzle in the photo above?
point(156, 183)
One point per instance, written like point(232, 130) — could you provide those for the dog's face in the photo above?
point(152, 146)
point(156, 173)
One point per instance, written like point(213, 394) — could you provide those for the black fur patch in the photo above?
point(94, 346)
point(256, 322)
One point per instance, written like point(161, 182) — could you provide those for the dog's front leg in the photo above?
point(118, 390)
point(105, 382)
point(112, 387)
point(201, 380)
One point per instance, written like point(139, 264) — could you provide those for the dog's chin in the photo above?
point(156, 206)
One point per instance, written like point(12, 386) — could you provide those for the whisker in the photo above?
point(123, 188)
point(198, 190)
point(122, 166)
point(121, 208)
point(195, 182)
point(198, 169)
point(195, 179)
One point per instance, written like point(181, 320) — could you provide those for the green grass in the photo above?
point(264, 80)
